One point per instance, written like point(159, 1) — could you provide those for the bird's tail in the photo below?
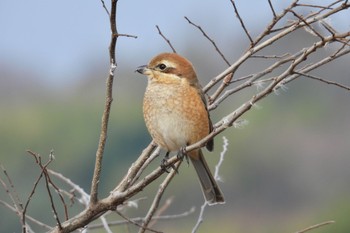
point(210, 188)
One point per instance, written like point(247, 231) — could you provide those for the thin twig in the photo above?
point(16, 202)
point(105, 224)
point(221, 160)
point(328, 27)
point(44, 172)
point(166, 39)
point(135, 223)
point(124, 35)
point(252, 78)
point(51, 183)
point(211, 40)
point(316, 226)
point(158, 197)
point(320, 63)
point(323, 80)
point(23, 213)
point(146, 163)
point(140, 219)
point(273, 10)
point(135, 169)
point(161, 210)
point(200, 217)
point(216, 177)
point(242, 23)
point(52, 202)
point(271, 56)
point(307, 25)
point(37, 222)
point(314, 6)
point(225, 83)
point(84, 196)
point(105, 8)
point(256, 48)
point(269, 28)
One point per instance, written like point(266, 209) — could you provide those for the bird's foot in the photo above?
point(165, 166)
point(182, 153)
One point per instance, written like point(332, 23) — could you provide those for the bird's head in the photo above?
point(169, 68)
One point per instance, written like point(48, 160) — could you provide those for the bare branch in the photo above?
point(166, 39)
point(16, 202)
point(108, 103)
point(308, 68)
point(221, 160)
point(105, 224)
point(307, 25)
point(135, 168)
point(217, 177)
point(314, 6)
point(37, 222)
point(271, 56)
point(136, 224)
point(211, 40)
point(53, 204)
point(226, 82)
point(273, 10)
point(324, 80)
point(273, 22)
point(105, 8)
point(328, 27)
point(256, 48)
point(140, 220)
point(158, 196)
point(149, 160)
point(316, 226)
point(84, 196)
point(161, 210)
point(124, 35)
point(44, 173)
point(242, 23)
point(252, 79)
point(200, 217)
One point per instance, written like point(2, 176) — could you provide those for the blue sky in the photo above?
point(58, 38)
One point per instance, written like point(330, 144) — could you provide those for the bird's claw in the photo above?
point(182, 154)
point(165, 166)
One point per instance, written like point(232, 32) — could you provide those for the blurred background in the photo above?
point(286, 170)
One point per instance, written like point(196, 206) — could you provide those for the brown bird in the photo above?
point(176, 114)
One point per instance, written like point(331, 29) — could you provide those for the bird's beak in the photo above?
point(142, 69)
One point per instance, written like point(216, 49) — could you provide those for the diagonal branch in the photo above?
point(315, 226)
point(242, 23)
point(234, 67)
point(158, 197)
point(229, 119)
point(323, 80)
point(136, 224)
point(211, 40)
point(166, 39)
point(273, 10)
point(140, 219)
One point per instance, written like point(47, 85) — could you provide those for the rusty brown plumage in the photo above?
point(176, 115)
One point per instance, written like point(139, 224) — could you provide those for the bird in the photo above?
point(176, 114)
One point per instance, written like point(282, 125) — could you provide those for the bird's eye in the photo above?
point(162, 66)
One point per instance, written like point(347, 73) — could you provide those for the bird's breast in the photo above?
point(175, 115)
